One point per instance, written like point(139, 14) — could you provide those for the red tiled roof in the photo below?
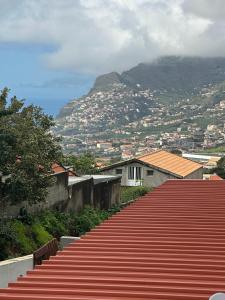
point(169, 245)
point(56, 168)
point(215, 177)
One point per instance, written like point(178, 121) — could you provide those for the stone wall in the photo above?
point(74, 197)
point(57, 195)
point(107, 194)
point(80, 194)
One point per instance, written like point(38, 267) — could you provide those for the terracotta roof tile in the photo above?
point(168, 245)
point(215, 177)
point(170, 162)
point(56, 168)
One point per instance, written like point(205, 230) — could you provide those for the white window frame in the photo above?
point(132, 180)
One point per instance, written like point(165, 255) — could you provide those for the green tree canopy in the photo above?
point(84, 164)
point(27, 150)
point(220, 169)
point(176, 151)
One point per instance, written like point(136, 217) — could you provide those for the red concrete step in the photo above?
point(158, 274)
point(187, 270)
point(145, 249)
point(150, 243)
point(173, 266)
point(125, 279)
point(121, 254)
point(123, 285)
point(142, 259)
point(103, 291)
point(157, 296)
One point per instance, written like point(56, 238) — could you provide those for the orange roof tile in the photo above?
point(56, 168)
point(215, 177)
point(170, 162)
point(168, 245)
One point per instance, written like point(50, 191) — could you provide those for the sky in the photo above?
point(52, 50)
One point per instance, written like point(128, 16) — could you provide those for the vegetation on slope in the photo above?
point(129, 193)
point(27, 233)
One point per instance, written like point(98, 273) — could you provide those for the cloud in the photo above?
point(60, 83)
point(213, 10)
point(96, 36)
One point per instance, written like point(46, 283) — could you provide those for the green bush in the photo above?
point(113, 210)
point(7, 239)
point(52, 225)
point(89, 218)
point(24, 240)
point(133, 192)
point(41, 236)
point(27, 233)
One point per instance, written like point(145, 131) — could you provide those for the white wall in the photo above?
point(12, 268)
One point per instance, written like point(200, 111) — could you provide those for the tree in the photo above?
point(220, 169)
point(84, 164)
point(27, 151)
point(176, 151)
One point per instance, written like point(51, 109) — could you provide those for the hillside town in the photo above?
point(121, 123)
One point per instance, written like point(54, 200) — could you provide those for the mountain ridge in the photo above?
point(161, 72)
point(179, 75)
point(149, 99)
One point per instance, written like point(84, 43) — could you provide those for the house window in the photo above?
point(131, 173)
point(138, 173)
point(134, 173)
point(150, 172)
point(119, 171)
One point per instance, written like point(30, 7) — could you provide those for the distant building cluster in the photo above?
point(122, 123)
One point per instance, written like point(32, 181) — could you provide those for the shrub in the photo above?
point(89, 218)
point(7, 239)
point(113, 210)
point(25, 217)
point(41, 236)
point(24, 240)
point(27, 233)
point(52, 225)
point(133, 192)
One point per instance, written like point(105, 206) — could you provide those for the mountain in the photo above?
point(177, 73)
point(150, 93)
